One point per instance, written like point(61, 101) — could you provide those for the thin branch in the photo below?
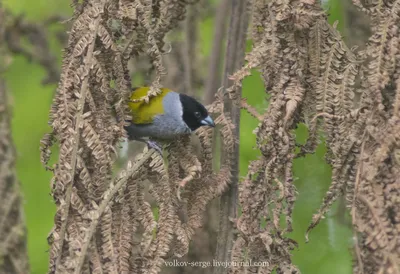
point(233, 60)
point(109, 194)
point(38, 49)
point(78, 126)
point(188, 49)
point(214, 77)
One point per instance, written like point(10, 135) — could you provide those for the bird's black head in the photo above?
point(195, 114)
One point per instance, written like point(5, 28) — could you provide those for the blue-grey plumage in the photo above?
point(164, 126)
point(167, 116)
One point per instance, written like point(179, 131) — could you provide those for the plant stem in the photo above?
point(214, 78)
point(74, 154)
point(233, 60)
point(109, 194)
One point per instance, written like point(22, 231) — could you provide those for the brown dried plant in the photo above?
point(13, 251)
point(103, 222)
point(310, 75)
point(13, 248)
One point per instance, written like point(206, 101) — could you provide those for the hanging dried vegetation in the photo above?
point(104, 224)
point(311, 77)
point(13, 240)
point(13, 247)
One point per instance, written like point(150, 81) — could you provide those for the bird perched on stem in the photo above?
point(165, 117)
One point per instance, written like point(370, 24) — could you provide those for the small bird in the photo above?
point(166, 116)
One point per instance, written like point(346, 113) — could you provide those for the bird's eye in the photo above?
point(197, 114)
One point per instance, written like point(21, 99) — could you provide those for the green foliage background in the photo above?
point(328, 251)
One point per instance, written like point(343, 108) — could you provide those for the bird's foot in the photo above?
point(153, 144)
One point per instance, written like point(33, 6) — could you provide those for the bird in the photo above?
point(165, 116)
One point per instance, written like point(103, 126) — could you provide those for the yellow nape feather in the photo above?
point(142, 112)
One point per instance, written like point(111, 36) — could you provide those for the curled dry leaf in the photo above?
point(311, 76)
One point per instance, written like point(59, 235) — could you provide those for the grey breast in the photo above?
point(165, 126)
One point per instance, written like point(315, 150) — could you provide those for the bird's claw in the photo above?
point(152, 144)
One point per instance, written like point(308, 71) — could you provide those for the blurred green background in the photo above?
point(329, 249)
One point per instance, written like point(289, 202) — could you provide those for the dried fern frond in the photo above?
point(281, 55)
point(13, 234)
point(309, 72)
point(377, 173)
point(13, 251)
point(363, 165)
point(204, 184)
point(106, 225)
